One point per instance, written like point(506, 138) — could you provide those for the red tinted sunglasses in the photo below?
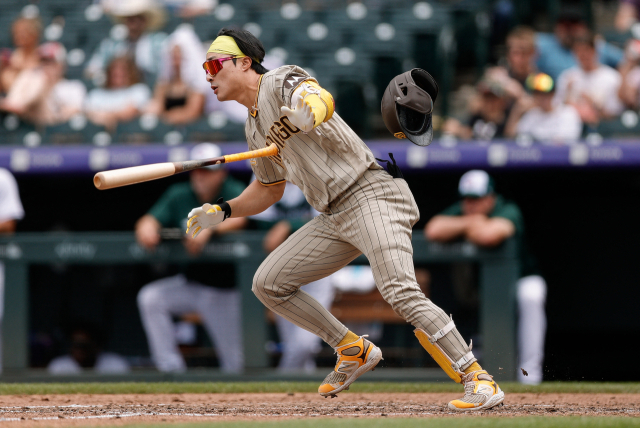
point(213, 66)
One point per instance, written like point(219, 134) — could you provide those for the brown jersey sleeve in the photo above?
point(286, 83)
point(266, 172)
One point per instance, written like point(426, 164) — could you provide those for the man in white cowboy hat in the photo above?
point(142, 41)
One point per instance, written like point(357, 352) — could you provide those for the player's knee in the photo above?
point(258, 287)
point(267, 287)
point(532, 290)
point(149, 297)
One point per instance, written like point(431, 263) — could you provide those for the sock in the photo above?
point(350, 337)
point(472, 368)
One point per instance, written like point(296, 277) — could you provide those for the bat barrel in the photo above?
point(136, 174)
point(97, 180)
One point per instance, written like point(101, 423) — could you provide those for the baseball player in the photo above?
point(192, 290)
point(364, 210)
point(282, 219)
point(11, 212)
point(487, 219)
point(290, 213)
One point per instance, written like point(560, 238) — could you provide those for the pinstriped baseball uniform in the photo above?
point(364, 211)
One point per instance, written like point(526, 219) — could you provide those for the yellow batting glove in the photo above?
point(203, 218)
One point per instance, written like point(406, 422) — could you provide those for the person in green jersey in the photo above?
point(485, 218)
point(194, 289)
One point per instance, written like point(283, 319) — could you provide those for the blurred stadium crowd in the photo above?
point(130, 71)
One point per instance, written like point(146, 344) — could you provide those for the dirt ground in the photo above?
point(73, 410)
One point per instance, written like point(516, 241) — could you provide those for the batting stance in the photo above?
point(364, 209)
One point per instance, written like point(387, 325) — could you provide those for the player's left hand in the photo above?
point(196, 245)
point(301, 115)
point(203, 218)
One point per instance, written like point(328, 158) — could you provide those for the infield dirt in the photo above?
point(121, 409)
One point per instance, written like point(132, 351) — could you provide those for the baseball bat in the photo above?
point(137, 174)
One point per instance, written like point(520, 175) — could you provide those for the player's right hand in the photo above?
point(203, 218)
point(300, 115)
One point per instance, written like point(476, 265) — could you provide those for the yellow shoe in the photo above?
point(481, 392)
point(354, 360)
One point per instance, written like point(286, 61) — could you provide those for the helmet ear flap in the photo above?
point(425, 81)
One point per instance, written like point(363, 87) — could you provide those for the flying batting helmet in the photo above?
point(407, 105)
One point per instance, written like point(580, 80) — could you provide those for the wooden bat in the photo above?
point(138, 174)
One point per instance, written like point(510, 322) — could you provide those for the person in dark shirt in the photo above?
point(486, 219)
point(213, 298)
point(489, 112)
point(179, 94)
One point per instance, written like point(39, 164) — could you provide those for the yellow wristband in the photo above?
point(319, 100)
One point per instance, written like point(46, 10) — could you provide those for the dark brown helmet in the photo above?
point(407, 105)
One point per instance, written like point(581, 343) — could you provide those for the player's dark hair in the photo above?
point(249, 45)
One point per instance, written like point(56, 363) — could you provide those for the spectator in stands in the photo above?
point(500, 90)
point(86, 342)
point(521, 53)
point(196, 289)
point(143, 43)
point(555, 53)
point(42, 95)
point(627, 15)
point(26, 38)
point(489, 110)
point(11, 212)
point(591, 87)
point(122, 99)
point(179, 94)
point(629, 92)
point(545, 120)
point(487, 219)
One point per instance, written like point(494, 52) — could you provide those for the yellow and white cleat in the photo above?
point(354, 360)
point(481, 392)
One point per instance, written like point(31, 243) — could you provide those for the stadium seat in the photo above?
point(215, 128)
point(225, 15)
point(13, 132)
point(77, 131)
point(135, 132)
point(625, 126)
point(284, 32)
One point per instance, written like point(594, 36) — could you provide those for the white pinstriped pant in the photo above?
point(374, 217)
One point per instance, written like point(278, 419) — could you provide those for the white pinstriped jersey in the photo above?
point(323, 163)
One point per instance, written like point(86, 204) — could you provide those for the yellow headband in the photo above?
point(227, 45)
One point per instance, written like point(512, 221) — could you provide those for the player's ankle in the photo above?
point(472, 368)
point(350, 337)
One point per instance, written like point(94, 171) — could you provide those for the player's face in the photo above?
point(206, 183)
point(226, 83)
point(483, 205)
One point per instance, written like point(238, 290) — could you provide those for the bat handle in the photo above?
point(271, 150)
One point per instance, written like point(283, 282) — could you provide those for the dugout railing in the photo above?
point(498, 272)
